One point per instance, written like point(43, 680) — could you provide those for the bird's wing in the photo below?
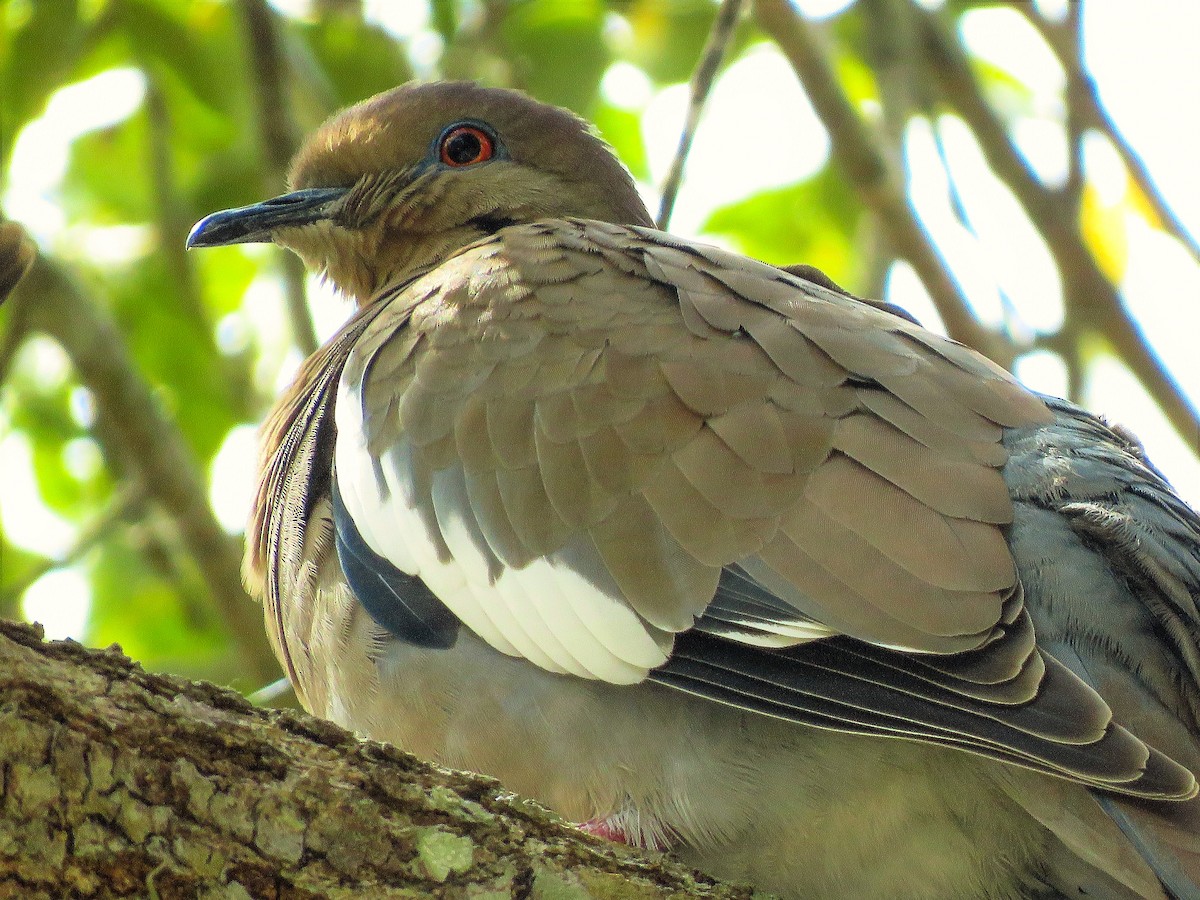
point(295, 449)
point(623, 456)
point(1125, 619)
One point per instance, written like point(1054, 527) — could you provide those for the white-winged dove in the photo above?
point(706, 553)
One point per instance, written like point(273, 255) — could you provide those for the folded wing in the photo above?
point(622, 456)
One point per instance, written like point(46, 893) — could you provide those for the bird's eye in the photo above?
point(466, 145)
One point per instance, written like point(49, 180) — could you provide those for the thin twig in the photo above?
point(1087, 292)
point(121, 508)
point(878, 183)
point(269, 693)
point(702, 82)
point(277, 133)
point(134, 432)
point(887, 44)
point(1064, 41)
point(1071, 334)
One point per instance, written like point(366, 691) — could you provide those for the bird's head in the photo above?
point(405, 179)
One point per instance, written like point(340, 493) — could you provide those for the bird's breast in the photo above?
point(738, 795)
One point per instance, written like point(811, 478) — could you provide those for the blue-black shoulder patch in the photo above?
point(399, 602)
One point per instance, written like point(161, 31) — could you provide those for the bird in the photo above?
point(709, 555)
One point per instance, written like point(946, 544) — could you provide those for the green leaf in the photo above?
point(557, 50)
point(669, 37)
point(198, 43)
point(135, 604)
point(39, 52)
point(623, 130)
point(444, 16)
point(17, 567)
point(44, 417)
point(177, 353)
point(108, 178)
point(359, 58)
point(812, 221)
point(1012, 96)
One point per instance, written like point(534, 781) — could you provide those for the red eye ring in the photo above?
point(465, 145)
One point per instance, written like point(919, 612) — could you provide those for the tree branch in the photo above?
point(118, 783)
point(123, 507)
point(1088, 293)
point(1083, 100)
point(173, 224)
point(702, 82)
point(17, 253)
point(1068, 341)
point(887, 48)
point(879, 184)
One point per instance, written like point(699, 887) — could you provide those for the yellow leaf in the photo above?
point(1136, 199)
point(1103, 228)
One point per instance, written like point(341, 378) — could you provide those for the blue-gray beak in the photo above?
point(256, 224)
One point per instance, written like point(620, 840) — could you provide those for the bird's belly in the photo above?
point(796, 810)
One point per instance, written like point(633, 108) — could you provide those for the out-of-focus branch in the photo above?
point(173, 221)
point(1088, 293)
point(1068, 342)
point(878, 183)
point(173, 226)
point(702, 82)
point(888, 40)
point(16, 256)
point(1078, 84)
point(132, 428)
point(155, 537)
point(17, 253)
point(887, 43)
point(1083, 100)
point(277, 134)
point(123, 507)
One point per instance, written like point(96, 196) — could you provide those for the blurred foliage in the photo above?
point(815, 219)
point(192, 144)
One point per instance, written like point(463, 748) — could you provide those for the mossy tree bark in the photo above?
point(119, 783)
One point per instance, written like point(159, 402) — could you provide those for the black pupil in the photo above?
point(463, 147)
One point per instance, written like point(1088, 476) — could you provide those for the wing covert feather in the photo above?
point(607, 429)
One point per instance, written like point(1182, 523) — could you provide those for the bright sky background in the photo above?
point(1143, 59)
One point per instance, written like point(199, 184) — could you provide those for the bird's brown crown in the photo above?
point(429, 168)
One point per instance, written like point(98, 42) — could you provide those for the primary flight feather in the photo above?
point(681, 543)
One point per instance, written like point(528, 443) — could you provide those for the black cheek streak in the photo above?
point(491, 222)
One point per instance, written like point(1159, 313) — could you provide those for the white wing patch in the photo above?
point(563, 611)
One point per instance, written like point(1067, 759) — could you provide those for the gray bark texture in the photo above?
point(119, 783)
